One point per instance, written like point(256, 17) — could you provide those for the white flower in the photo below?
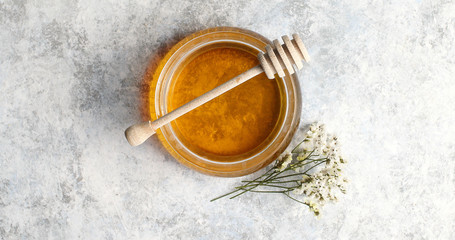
point(314, 207)
point(323, 186)
point(297, 191)
point(327, 181)
point(286, 160)
point(313, 127)
point(332, 140)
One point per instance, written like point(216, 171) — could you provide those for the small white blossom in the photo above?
point(314, 207)
point(297, 191)
point(286, 160)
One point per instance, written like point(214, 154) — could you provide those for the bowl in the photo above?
point(226, 149)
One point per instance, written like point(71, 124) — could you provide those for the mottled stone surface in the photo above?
point(382, 78)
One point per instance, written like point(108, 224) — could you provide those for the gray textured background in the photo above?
point(382, 78)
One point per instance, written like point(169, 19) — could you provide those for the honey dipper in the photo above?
point(275, 60)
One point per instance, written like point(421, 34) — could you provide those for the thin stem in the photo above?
point(244, 191)
point(319, 159)
point(268, 185)
point(246, 185)
point(273, 177)
point(301, 164)
point(315, 165)
point(257, 191)
point(265, 173)
point(290, 181)
point(290, 175)
point(227, 194)
point(275, 182)
point(287, 194)
point(224, 195)
point(298, 145)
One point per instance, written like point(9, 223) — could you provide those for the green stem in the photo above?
point(319, 159)
point(246, 185)
point(287, 194)
point(267, 185)
point(244, 191)
point(298, 145)
point(273, 177)
point(290, 175)
point(257, 191)
point(275, 182)
point(227, 194)
point(301, 164)
point(224, 195)
point(315, 165)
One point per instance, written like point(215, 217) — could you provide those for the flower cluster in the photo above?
point(314, 169)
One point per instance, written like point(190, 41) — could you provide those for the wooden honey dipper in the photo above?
point(276, 60)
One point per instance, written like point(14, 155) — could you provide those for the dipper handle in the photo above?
point(275, 60)
point(138, 133)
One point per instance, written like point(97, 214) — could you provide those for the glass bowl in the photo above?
point(226, 166)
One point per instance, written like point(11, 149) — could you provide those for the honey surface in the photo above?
point(235, 122)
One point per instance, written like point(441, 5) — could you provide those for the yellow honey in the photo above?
point(234, 123)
